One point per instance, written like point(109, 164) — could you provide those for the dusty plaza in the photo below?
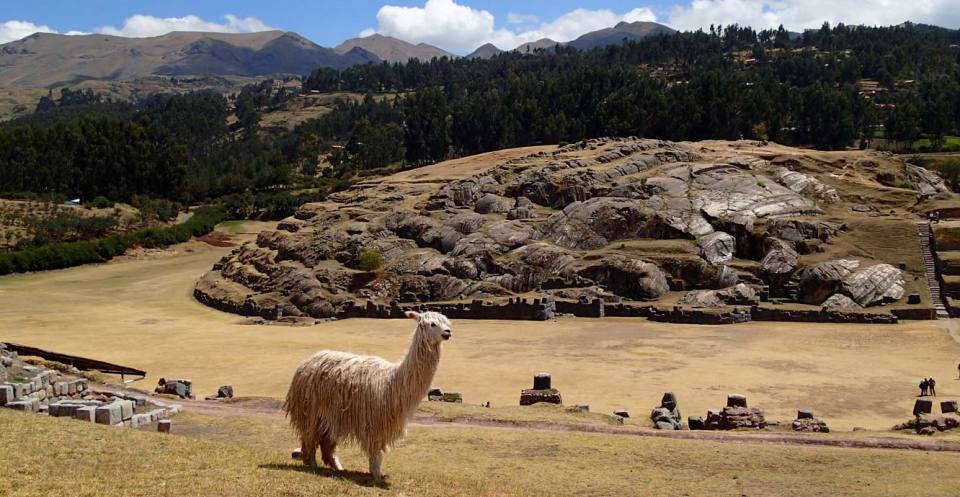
point(139, 310)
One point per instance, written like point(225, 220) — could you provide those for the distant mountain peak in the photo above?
point(485, 51)
point(392, 49)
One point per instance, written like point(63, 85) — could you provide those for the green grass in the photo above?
point(232, 227)
point(249, 456)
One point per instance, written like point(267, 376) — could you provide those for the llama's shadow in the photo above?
point(362, 479)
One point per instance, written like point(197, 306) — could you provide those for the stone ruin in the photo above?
point(573, 223)
point(667, 416)
point(437, 395)
point(926, 423)
point(182, 388)
point(224, 392)
point(542, 391)
point(29, 388)
point(736, 415)
point(807, 422)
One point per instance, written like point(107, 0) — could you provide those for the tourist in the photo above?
point(923, 387)
point(932, 385)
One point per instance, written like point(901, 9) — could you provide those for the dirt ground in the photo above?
point(138, 311)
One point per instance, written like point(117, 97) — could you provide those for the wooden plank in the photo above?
point(81, 363)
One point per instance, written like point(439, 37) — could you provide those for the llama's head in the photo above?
point(433, 325)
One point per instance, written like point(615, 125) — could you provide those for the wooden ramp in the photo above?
point(81, 363)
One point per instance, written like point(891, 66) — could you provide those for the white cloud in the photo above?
point(15, 30)
point(797, 15)
point(460, 28)
point(515, 18)
point(143, 26)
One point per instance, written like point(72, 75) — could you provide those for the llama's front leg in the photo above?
point(328, 451)
point(308, 451)
point(376, 459)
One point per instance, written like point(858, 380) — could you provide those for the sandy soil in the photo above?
point(138, 311)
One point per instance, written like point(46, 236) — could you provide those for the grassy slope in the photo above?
point(250, 456)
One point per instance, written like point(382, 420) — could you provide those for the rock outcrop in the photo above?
point(619, 219)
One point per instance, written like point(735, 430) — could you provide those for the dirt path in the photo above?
point(269, 409)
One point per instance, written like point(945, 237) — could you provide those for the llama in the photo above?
point(338, 396)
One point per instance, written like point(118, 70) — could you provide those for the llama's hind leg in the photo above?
point(328, 451)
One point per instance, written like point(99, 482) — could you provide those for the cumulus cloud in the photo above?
point(515, 18)
point(461, 28)
point(15, 30)
point(797, 15)
point(143, 26)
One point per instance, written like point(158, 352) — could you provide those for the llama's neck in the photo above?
point(413, 375)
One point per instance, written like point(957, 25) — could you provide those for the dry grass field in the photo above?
point(249, 456)
point(138, 311)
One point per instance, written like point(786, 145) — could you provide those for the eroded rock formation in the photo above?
point(575, 222)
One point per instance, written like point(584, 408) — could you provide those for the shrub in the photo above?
point(63, 255)
point(102, 202)
point(370, 260)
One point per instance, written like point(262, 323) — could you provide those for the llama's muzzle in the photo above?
point(446, 334)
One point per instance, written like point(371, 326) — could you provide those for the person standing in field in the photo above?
point(923, 387)
point(932, 384)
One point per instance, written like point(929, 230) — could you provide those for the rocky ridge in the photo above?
point(575, 221)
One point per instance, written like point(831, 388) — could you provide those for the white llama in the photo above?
point(338, 396)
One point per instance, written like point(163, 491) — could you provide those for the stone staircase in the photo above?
point(930, 270)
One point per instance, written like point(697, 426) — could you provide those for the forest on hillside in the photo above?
point(830, 88)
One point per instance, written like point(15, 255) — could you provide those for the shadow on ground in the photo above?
point(362, 479)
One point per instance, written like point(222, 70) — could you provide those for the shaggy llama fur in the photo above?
point(338, 396)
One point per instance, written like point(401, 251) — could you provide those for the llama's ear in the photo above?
point(413, 315)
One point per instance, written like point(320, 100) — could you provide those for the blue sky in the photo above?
point(457, 25)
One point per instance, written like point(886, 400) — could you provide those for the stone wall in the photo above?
point(514, 309)
point(819, 316)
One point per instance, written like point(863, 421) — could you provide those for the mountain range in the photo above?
point(44, 60)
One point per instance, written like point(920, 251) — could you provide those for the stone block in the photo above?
point(163, 426)
point(60, 388)
point(805, 414)
point(922, 406)
point(7, 394)
point(541, 381)
point(669, 401)
point(109, 414)
point(138, 420)
point(138, 400)
point(225, 392)
point(948, 406)
point(623, 413)
point(86, 413)
point(71, 388)
point(736, 400)
point(126, 409)
point(455, 397)
point(529, 397)
point(29, 404)
point(696, 423)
